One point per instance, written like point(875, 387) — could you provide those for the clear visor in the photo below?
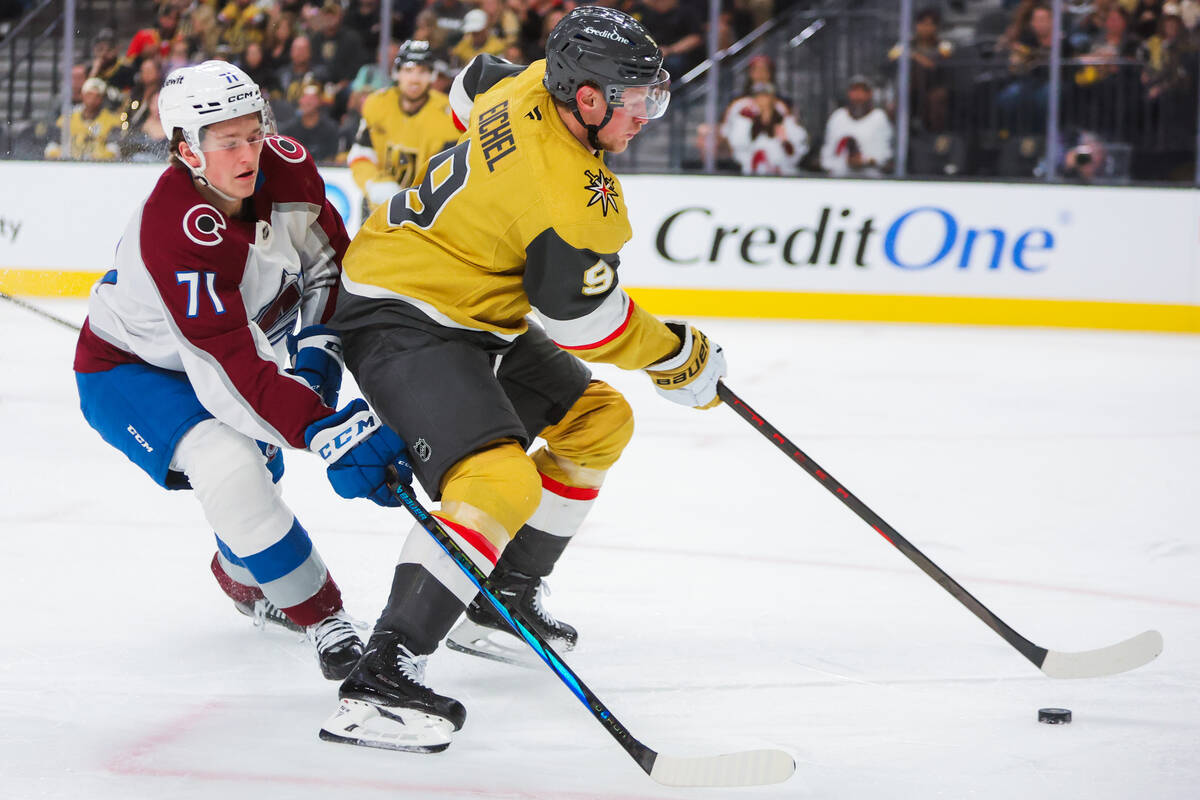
point(225, 139)
point(644, 102)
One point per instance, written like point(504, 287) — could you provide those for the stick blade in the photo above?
point(1112, 660)
point(748, 768)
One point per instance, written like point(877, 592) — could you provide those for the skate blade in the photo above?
point(489, 643)
point(368, 725)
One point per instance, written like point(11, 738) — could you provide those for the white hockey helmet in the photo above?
point(194, 97)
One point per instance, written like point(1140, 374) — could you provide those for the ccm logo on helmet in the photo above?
point(235, 98)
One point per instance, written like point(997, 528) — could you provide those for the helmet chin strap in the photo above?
point(202, 179)
point(593, 131)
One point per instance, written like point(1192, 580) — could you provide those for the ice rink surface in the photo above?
point(725, 600)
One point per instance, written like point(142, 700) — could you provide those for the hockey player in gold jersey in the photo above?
point(402, 126)
point(521, 216)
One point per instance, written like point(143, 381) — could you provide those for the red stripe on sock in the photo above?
point(474, 538)
point(326, 601)
point(238, 592)
point(569, 492)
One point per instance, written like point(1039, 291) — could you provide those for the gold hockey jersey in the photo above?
point(519, 216)
point(394, 145)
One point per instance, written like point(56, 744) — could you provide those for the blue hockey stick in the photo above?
point(747, 768)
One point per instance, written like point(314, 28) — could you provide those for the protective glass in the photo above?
point(649, 101)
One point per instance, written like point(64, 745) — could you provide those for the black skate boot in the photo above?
point(486, 634)
point(384, 704)
point(338, 646)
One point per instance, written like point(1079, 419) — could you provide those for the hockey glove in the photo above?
point(359, 448)
point(380, 192)
point(317, 357)
point(690, 376)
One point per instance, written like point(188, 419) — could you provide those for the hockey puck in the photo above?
point(1054, 716)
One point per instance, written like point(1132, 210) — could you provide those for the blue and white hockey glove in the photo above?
point(359, 448)
point(317, 358)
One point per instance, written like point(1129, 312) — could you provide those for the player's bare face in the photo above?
point(620, 130)
point(414, 82)
point(232, 150)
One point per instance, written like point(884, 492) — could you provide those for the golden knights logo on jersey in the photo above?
point(603, 189)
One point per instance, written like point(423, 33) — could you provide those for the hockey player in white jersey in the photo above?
point(183, 363)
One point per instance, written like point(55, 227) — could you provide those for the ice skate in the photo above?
point(338, 646)
point(384, 703)
point(263, 612)
point(486, 634)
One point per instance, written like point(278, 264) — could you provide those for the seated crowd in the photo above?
point(318, 59)
point(1132, 64)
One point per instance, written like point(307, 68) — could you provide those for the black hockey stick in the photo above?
point(36, 310)
point(747, 768)
point(1120, 657)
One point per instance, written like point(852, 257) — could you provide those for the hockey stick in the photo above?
point(1111, 660)
point(31, 307)
point(747, 768)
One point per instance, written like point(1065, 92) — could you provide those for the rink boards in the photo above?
point(975, 253)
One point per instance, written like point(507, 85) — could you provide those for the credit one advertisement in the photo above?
point(913, 238)
point(695, 234)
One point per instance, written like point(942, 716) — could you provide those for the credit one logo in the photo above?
point(916, 239)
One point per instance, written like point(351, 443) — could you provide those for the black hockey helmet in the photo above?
point(611, 51)
point(414, 51)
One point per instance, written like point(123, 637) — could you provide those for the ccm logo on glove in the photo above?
point(331, 444)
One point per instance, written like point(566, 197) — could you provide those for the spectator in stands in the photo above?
point(278, 40)
point(760, 69)
point(93, 129)
point(503, 18)
point(533, 31)
point(1022, 102)
point(143, 137)
point(200, 32)
point(1084, 157)
point(337, 46)
point(1169, 78)
point(1143, 18)
point(242, 22)
point(107, 65)
point(300, 70)
point(254, 63)
point(447, 23)
point(678, 30)
point(153, 42)
point(929, 87)
point(858, 136)
point(478, 37)
point(370, 78)
point(180, 57)
point(312, 127)
point(767, 140)
point(1113, 43)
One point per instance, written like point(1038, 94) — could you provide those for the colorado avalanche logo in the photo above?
point(288, 149)
point(603, 189)
point(203, 225)
point(278, 316)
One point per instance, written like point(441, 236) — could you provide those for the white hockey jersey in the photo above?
point(214, 297)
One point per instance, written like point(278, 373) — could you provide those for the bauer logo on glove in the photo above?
point(690, 376)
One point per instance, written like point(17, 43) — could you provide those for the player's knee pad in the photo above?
point(595, 430)
point(234, 486)
point(500, 481)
